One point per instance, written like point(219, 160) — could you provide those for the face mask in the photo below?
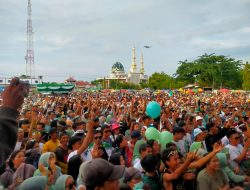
point(138, 186)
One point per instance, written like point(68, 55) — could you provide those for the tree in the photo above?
point(246, 77)
point(161, 81)
point(211, 70)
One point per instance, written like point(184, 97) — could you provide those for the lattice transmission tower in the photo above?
point(30, 67)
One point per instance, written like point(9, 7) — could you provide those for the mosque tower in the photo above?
point(133, 68)
point(142, 71)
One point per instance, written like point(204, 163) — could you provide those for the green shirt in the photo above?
point(153, 182)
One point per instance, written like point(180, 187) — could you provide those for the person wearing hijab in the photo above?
point(46, 161)
point(17, 171)
point(65, 182)
point(37, 183)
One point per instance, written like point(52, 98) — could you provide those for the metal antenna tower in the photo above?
point(30, 51)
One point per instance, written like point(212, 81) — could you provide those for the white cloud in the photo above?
point(85, 38)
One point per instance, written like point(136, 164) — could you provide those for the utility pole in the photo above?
point(30, 51)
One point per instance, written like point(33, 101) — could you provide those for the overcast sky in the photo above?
point(84, 38)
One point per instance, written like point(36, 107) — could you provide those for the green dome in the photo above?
point(117, 67)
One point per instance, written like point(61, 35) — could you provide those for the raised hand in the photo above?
point(13, 95)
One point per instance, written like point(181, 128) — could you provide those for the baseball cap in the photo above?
point(198, 118)
point(197, 131)
point(131, 173)
point(98, 170)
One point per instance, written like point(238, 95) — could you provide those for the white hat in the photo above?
point(197, 131)
point(198, 118)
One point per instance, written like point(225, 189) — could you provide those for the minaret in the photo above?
point(142, 65)
point(133, 65)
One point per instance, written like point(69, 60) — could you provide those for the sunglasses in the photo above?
point(108, 131)
point(98, 137)
point(70, 186)
point(236, 138)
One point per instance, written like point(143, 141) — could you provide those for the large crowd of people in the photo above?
point(102, 141)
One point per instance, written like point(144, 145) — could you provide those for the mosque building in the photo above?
point(134, 75)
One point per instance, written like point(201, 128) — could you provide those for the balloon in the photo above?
point(195, 146)
point(152, 133)
point(153, 109)
point(165, 138)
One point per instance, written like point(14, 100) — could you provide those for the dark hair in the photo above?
point(150, 162)
point(30, 145)
point(118, 140)
point(52, 130)
point(64, 133)
point(97, 131)
point(43, 125)
point(231, 132)
point(151, 142)
point(143, 147)
point(12, 156)
point(115, 158)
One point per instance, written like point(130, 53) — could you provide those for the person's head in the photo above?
point(28, 114)
point(213, 164)
point(116, 158)
point(64, 138)
point(53, 134)
point(20, 134)
point(40, 127)
point(199, 134)
point(179, 133)
point(65, 182)
point(24, 124)
point(155, 146)
point(199, 120)
point(97, 137)
point(132, 177)
point(135, 135)
point(171, 158)
point(145, 149)
point(75, 143)
point(16, 159)
point(36, 182)
point(233, 137)
point(150, 163)
point(143, 130)
point(99, 174)
point(212, 128)
point(121, 141)
point(48, 158)
point(135, 126)
point(147, 120)
point(106, 131)
point(115, 128)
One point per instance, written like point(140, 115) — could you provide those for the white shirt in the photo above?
point(234, 151)
point(137, 164)
point(85, 155)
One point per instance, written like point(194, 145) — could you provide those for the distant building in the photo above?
point(79, 84)
point(33, 81)
point(133, 76)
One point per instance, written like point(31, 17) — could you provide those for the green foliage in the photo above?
point(211, 70)
point(161, 81)
point(246, 77)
